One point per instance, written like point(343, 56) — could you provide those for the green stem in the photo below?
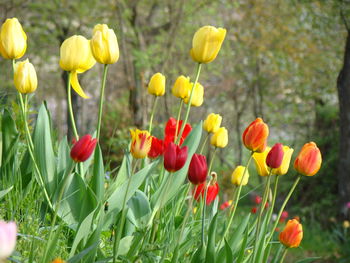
point(152, 114)
point(273, 200)
point(70, 108)
point(282, 208)
point(204, 143)
point(178, 119)
point(190, 101)
point(283, 255)
point(100, 108)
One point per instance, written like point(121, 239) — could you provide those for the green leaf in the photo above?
point(199, 255)
point(237, 238)
point(98, 175)
point(210, 255)
point(243, 247)
point(4, 192)
point(124, 245)
point(308, 260)
point(140, 208)
point(82, 254)
point(228, 253)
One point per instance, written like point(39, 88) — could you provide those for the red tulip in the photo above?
point(157, 148)
point(257, 199)
point(254, 210)
point(82, 149)
point(212, 191)
point(226, 204)
point(283, 217)
point(170, 130)
point(174, 157)
point(255, 136)
point(198, 169)
point(275, 156)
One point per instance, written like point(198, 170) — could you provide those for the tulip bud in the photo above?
point(198, 169)
point(275, 156)
point(219, 138)
point(76, 57)
point(156, 85)
point(157, 148)
point(257, 199)
point(309, 160)
point(170, 130)
point(226, 204)
point(206, 43)
point(255, 136)
point(197, 96)
point(25, 78)
point(346, 224)
point(254, 210)
point(141, 142)
point(8, 236)
point(212, 192)
point(238, 177)
point(212, 123)
point(292, 234)
point(104, 44)
point(13, 40)
point(174, 157)
point(287, 156)
point(182, 87)
point(260, 162)
point(82, 149)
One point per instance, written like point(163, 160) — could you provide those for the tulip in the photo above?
point(260, 162)
point(82, 149)
point(212, 123)
point(226, 204)
point(8, 236)
point(58, 260)
point(170, 130)
point(219, 138)
point(197, 96)
point(76, 57)
point(206, 43)
point(257, 199)
point(254, 210)
point(141, 142)
point(198, 169)
point(292, 234)
point(182, 87)
point(13, 40)
point(346, 224)
point(238, 177)
point(174, 157)
point(212, 192)
point(275, 156)
point(157, 148)
point(287, 156)
point(104, 44)
point(309, 160)
point(255, 136)
point(283, 217)
point(156, 85)
point(25, 77)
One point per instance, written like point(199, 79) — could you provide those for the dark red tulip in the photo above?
point(174, 157)
point(157, 148)
point(275, 156)
point(198, 169)
point(170, 130)
point(82, 149)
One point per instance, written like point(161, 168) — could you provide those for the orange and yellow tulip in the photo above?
point(292, 234)
point(255, 136)
point(141, 142)
point(309, 160)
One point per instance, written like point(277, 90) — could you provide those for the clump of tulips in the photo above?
point(148, 206)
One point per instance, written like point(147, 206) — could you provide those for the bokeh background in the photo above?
point(285, 61)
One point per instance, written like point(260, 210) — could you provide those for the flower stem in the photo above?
point(70, 108)
point(152, 114)
point(199, 66)
point(100, 108)
point(283, 255)
point(273, 200)
point(178, 119)
point(204, 143)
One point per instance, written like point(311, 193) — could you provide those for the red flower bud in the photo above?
point(170, 130)
point(157, 148)
point(254, 210)
point(82, 149)
point(257, 199)
point(212, 191)
point(275, 156)
point(174, 157)
point(197, 172)
point(226, 204)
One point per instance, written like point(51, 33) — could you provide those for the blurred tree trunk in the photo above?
point(343, 86)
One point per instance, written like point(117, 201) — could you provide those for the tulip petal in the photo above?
point(76, 86)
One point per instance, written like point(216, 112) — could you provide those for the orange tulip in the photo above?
point(292, 234)
point(255, 136)
point(309, 160)
point(58, 260)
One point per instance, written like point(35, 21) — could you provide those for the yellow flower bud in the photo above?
point(237, 177)
point(220, 138)
point(260, 162)
point(283, 169)
point(197, 97)
point(104, 45)
point(25, 78)
point(13, 40)
point(76, 57)
point(346, 224)
point(212, 123)
point(156, 85)
point(206, 43)
point(182, 87)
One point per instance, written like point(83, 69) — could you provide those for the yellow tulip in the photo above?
point(104, 44)
point(13, 40)
point(220, 138)
point(25, 78)
point(212, 123)
point(206, 43)
point(237, 177)
point(156, 85)
point(182, 87)
point(197, 97)
point(283, 169)
point(260, 162)
point(76, 57)
point(141, 142)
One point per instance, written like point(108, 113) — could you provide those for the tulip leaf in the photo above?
point(228, 252)
point(237, 238)
point(140, 208)
point(4, 192)
point(210, 254)
point(308, 260)
point(98, 175)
